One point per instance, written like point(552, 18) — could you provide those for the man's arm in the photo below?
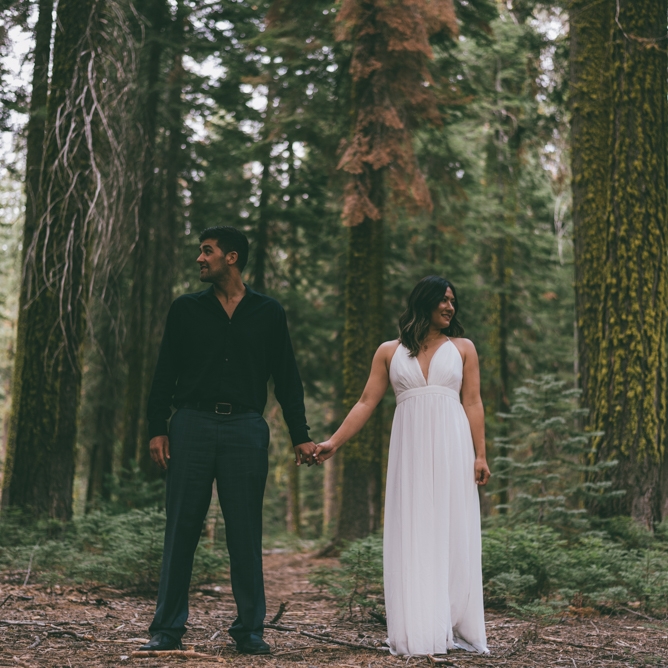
point(289, 390)
point(158, 410)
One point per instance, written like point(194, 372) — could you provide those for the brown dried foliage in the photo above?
point(393, 92)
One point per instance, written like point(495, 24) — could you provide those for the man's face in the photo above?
point(214, 264)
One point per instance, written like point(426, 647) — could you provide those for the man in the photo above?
point(218, 351)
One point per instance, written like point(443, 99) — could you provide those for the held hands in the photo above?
point(324, 451)
point(304, 453)
point(159, 447)
point(482, 473)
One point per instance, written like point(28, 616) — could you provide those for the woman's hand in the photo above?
point(482, 473)
point(324, 451)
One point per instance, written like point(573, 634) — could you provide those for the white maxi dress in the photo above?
point(432, 543)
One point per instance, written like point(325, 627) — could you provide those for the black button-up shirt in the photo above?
point(206, 356)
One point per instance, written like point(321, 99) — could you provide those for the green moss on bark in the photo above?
point(620, 198)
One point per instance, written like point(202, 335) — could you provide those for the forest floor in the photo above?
point(78, 627)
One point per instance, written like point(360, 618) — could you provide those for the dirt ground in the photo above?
point(70, 627)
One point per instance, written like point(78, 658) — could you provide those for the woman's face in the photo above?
point(443, 314)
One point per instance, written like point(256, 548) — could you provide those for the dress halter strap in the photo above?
point(427, 389)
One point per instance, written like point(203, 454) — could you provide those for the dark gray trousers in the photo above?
point(232, 449)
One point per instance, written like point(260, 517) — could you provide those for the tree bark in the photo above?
point(135, 353)
point(37, 119)
point(293, 514)
point(262, 238)
point(590, 99)
point(101, 465)
point(360, 512)
point(166, 233)
point(330, 506)
point(625, 354)
point(47, 376)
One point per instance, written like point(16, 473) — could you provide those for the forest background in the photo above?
point(360, 145)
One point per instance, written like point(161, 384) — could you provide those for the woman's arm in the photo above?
point(374, 391)
point(472, 404)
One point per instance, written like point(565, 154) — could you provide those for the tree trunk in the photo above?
point(590, 30)
point(262, 238)
point(136, 335)
point(330, 506)
point(47, 376)
point(626, 357)
point(105, 398)
point(37, 120)
point(293, 515)
point(500, 271)
point(361, 486)
point(34, 155)
point(166, 233)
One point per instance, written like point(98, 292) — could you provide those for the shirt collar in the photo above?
point(210, 294)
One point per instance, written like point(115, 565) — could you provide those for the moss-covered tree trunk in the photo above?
point(40, 462)
point(135, 352)
point(620, 242)
point(590, 98)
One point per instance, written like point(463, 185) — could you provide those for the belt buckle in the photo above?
point(223, 411)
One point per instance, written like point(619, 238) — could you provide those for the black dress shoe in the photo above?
point(253, 646)
point(161, 642)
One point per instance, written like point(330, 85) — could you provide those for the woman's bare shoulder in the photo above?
point(465, 346)
point(386, 351)
point(388, 348)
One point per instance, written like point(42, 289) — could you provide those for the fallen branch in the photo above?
point(32, 554)
point(180, 653)
point(18, 597)
point(638, 614)
point(281, 609)
point(126, 641)
point(38, 640)
point(433, 661)
point(18, 622)
point(304, 648)
point(317, 636)
point(569, 642)
point(58, 632)
point(345, 643)
point(279, 627)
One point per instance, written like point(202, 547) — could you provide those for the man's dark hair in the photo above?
point(229, 239)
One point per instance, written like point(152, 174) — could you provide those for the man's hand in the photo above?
point(159, 447)
point(304, 453)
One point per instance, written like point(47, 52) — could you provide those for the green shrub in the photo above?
point(358, 583)
point(121, 550)
point(532, 570)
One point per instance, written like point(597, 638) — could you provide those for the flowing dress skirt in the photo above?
point(432, 541)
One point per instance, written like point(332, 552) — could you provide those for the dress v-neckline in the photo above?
point(426, 380)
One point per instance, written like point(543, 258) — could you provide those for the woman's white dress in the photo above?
point(432, 543)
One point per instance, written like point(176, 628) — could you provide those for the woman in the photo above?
point(431, 545)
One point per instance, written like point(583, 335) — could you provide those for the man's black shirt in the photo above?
point(208, 357)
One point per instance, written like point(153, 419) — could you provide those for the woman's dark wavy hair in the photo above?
point(415, 320)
